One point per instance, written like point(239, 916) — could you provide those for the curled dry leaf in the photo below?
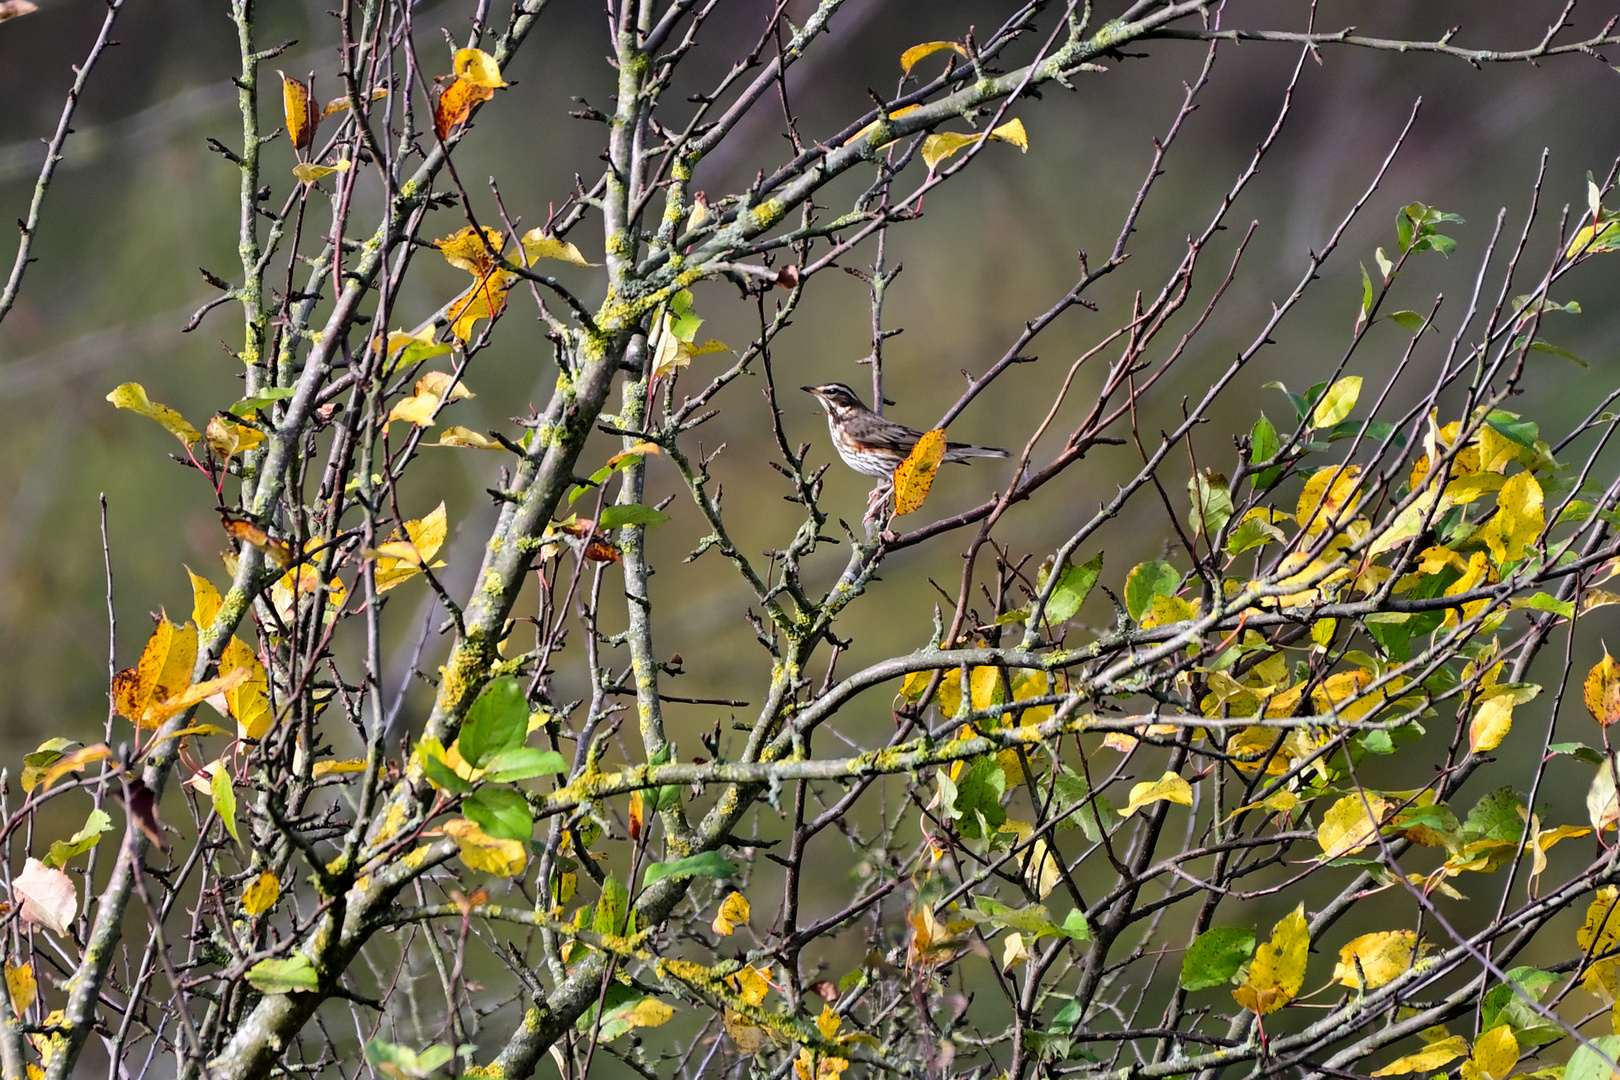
point(47, 897)
point(11, 9)
point(279, 551)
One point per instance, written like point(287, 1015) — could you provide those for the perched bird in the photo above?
point(873, 444)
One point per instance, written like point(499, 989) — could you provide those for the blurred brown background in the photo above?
point(140, 204)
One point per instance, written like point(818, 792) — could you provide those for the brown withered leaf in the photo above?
point(141, 805)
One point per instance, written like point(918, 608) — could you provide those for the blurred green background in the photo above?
point(140, 204)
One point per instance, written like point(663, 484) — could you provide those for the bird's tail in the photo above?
point(962, 451)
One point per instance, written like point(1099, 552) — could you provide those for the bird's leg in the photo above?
point(876, 500)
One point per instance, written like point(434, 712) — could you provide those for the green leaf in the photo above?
point(612, 908)
point(250, 405)
point(1384, 265)
point(1075, 927)
point(1543, 602)
point(443, 775)
point(614, 517)
point(1146, 581)
point(225, 800)
point(1211, 497)
point(1496, 817)
point(82, 841)
point(406, 1064)
point(1539, 345)
point(1215, 957)
point(1366, 294)
point(523, 763)
point(979, 789)
point(502, 813)
point(705, 864)
point(1502, 1005)
point(1252, 532)
point(1073, 586)
point(1523, 432)
point(295, 973)
point(1301, 404)
point(1586, 1064)
point(1337, 402)
point(1408, 320)
point(1069, 789)
point(497, 721)
point(1578, 750)
point(1033, 920)
point(1263, 446)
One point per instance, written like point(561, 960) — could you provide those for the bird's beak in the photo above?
point(811, 390)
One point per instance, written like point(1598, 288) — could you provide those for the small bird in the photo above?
point(873, 444)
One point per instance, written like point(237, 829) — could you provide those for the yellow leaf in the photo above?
point(1167, 611)
point(1491, 724)
point(1495, 1053)
point(827, 1023)
point(1347, 827)
point(456, 435)
point(751, 984)
point(1281, 802)
point(869, 128)
point(301, 122)
point(159, 711)
point(164, 670)
point(23, 987)
point(1013, 952)
point(456, 102)
point(1380, 957)
point(249, 703)
point(1602, 690)
point(480, 851)
point(467, 250)
point(79, 759)
point(132, 396)
point(432, 391)
point(337, 768)
point(1599, 934)
point(1278, 969)
point(205, 599)
point(486, 299)
point(308, 172)
point(537, 245)
point(1520, 517)
point(1432, 1057)
point(745, 1035)
point(226, 438)
point(426, 535)
point(942, 144)
point(337, 105)
point(648, 1012)
point(1168, 788)
point(915, 475)
point(260, 896)
point(912, 56)
point(1330, 495)
point(1596, 237)
point(1041, 872)
point(1337, 402)
point(478, 68)
point(733, 913)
